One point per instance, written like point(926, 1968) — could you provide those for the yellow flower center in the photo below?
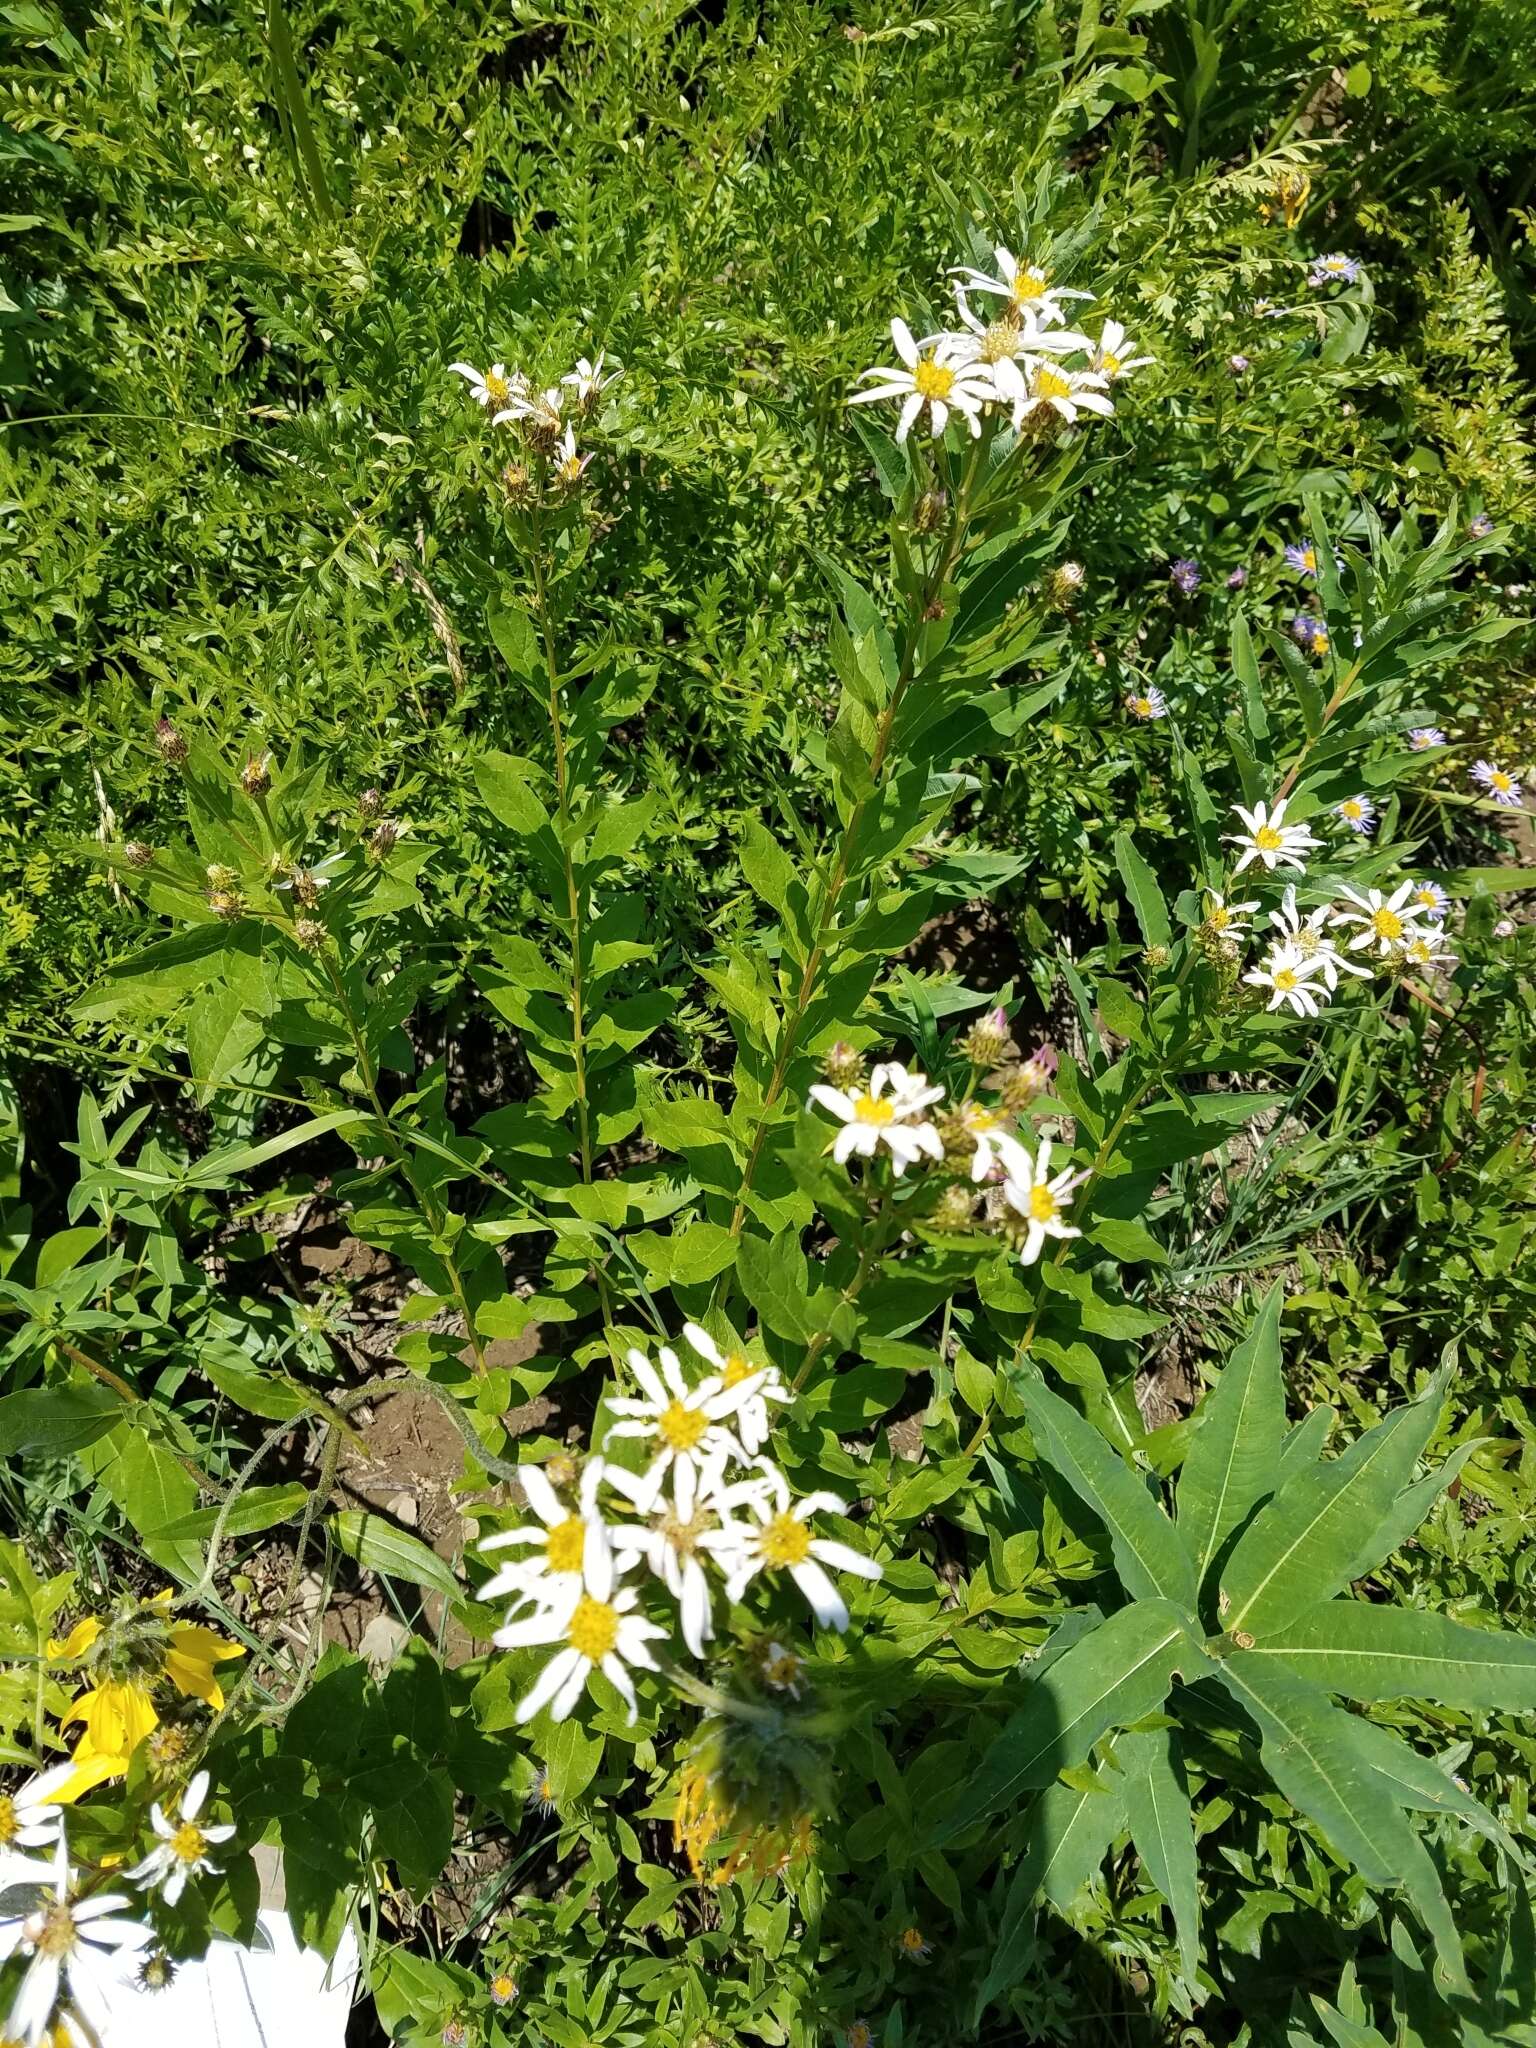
point(785, 1541)
point(912, 1939)
point(188, 1842)
point(1386, 924)
point(52, 1932)
point(1426, 897)
point(1351, 807)
point(1051, 384)
point(737, 1369)
point(10, 1827)
point(1501, 782)
point(859, 2034)
point(1027, 287)
point(870, 1109)
point(1142, 706)
point(497, 389)
point(932, 380)
point(1109, 363)
point(1219, 918)
point(1309, 558)
point(680, 1428)
point(684, 1536)
point(1285, 980)
point(1418, 952)
point(999, 341)
point(1042, 1204)
point(1268, 840)
point(782, 1668)
point(1320, 641)
point(594, 1628)
point(565, 1543)
point(981, 1119)
point(503, 1989)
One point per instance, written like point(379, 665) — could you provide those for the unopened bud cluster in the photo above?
point(843, 1066)
point(987, 1040)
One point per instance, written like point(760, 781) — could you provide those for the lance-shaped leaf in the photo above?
point(1162, 1827)
point(1231, 1463)
point(1308, 1747)
point(1066, 1833)
point(1423, 1785)
point(1118, 1674)
point(1149, 1556)
point(1318, 1531)
point(1392, 1653)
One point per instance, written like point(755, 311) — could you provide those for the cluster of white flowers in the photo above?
point(1020, 357)
point(80, 1945)
point(512, 399)
point(1310, 952)
point(890, 1113)
point(708, 1501)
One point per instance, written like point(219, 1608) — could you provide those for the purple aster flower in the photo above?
point(1237, 365)
point(1304, 629)
point(1185, 576)
point(1480, 526)
point(1237, 579)
point(1423, 737)
point(1148, 703)
point(1358, 813)
point(1429, 899)
point(1302, 556)
point(1498, 782)
point(1334, 270)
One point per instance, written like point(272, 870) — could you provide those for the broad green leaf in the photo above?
point(47, 1422)
point(1316, 1534)
point(380, 1547)
point(1367, 1652)
point(1230, 1465)
point(1149, 1556)
point(1141, 887)
point(505, 783)
point(768, 868)
point(775, 1279)
point(153, 1489)
point(1162, 1827)
point(259, 1507)
point(1115, 1675)
point(1425, 1786)
point(412, 1810)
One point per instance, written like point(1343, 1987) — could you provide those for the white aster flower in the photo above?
point(778, 1539)
point(686, 1423)
point(1228, 919)
point(569, 467)
point(29, 1816)
point(1426, 948)
point(1013, 334)
point(1033, 386)
point(559, 1542)
point(78, 1946)
point(759, 1385)
point(1269, 839)
point(1311, 938)
point(588, 382)
point(496, 388)
point(1041, 1199)
point(1291, 980)
point(996, 1146)
point(1383, 921)
point(1025, 285)
point(925, 379)
point(681, 1533)
point(182, 1850)
point(597, 1629)
point(1112, 357)
point(883, 1114)
point(540, 411)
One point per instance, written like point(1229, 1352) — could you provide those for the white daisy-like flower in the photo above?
point(541, 410)
point(759, 1385)
point(1383, 921)
point(1025, 285)
point(1429, 900)
point(996, 1146)
point(1228, 919)
point(596, 1629)
point(682, 1532)
point(687, 1424)
point(588, 382)
point(1032, 386)
point(1426, 948)
point(182, 1850)
point(781, 1667)
point(1311, 937)
point(884, 1113)
point(1041, 1198)
point(558, 1543)
point(1357, 812)
point(1012, 334)
point(1291, 979)
point(778, 1538)
point(925, 379)
point(78, 1946)
point(1112, 355)
point(1268, 839)
point(565, 464)
point(494, 388)
point(30, 1818)
point(1147, 704)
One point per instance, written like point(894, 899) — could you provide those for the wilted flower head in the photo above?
point(1063, 583)
point(1505, 928)
point(1479, 526)
point(172, 744)
point(381, 841)
point(256, 775)
point(138, 853)
point(1185, 575)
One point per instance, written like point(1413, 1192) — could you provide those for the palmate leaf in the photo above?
point(1162, 1827)
point(1308, 1747)
point(1231, 1463)
point(1392, 1653)
point(1150, 1558)
point(1118, 1674)
point(1318, 1532)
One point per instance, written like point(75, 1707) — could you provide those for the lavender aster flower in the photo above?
point(1334, 270)
point(1185, 575)
point(1498, 782)
point(1429, 899)
point(1237, 579)
point(1423, 737)
point(1304, 630)
point(1302, 556)
point(1150, 703)
point(1238, 365)
point(1480, 527)
point(1358, 813)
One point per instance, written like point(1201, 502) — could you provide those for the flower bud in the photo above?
point(1062, 585)
point(306, 888)
point(987, 1040)
point(929, 512)
point(1157, 957)
point(562, 1469)
point(226, 903)
point(1218, 948)
point(842, 1066)
point(370, 805)
point(310, 933)
point(955, 1210)
point(381, 840)
point(138, 853)
point(1029, 1079)
point(157, 1972)
point(221, 877)
point(172, 744)
point(517, 482)
point(256, 775)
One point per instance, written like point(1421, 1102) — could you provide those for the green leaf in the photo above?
point(48, 1422)
point(1145, 896)
point(1367, 1652)
point(1149, 1556)
point(505, 785)
point(1230, 1464)
point(775, 1279)
point(380, 1547)
point(259, 1507)
point(1316, 1534)
point(1117, 1674)
point(768, 868)
point(412, 1811)
point(259, 1393)
point(1162, 1827)
point(153, 1489)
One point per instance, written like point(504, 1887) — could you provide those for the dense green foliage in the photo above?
point(399, 839)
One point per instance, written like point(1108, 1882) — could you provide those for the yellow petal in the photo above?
point(192, 1641)
point(79, 1639)
point(87, 1775)
point(117, 1717)
point(194, 1677)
